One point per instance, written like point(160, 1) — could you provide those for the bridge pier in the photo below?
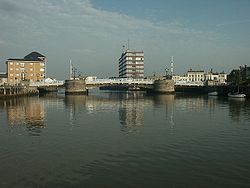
point(164, 86)
point(75, 87)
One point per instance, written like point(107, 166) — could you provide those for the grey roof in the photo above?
point(34, 56)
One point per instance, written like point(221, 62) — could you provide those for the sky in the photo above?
point(200, 34)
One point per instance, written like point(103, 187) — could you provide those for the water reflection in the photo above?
point(25, 111)
point(169, 102)
point(127, 107)
point(131, 112)
point(236, 108)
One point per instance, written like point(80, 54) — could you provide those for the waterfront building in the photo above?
point(31, 68)
point(196, 76)
point(176, 78)
point(201, 78)
point(131, 64)
point(240, 76)
point(216, 78)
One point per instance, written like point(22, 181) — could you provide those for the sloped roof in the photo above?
point(34, 56)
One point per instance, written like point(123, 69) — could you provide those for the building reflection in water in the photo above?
point(129, 106)
point(131, 111)
point(26, 111)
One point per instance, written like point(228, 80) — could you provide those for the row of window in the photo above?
point(31, 69)
point(134, 58)
point(11, 75)
point(22, 64)
point(196, 75)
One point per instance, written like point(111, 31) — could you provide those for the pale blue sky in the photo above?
point(200, 34)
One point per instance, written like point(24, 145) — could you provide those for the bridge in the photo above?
point(97, 82)
point(84, 84)
point(92, 83)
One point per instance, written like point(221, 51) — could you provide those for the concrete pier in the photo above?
point(164, 86)
point(9, 91)
point(75, 87)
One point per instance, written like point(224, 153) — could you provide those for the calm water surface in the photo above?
point(114, 139)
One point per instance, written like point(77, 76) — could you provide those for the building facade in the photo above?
point(196, 76)
point(131, 64)
point(31, 68)
point(201, 78)
point(216, 78)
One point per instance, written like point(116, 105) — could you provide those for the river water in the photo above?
point(124, 139)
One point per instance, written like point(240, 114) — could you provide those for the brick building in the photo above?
point(31, 68)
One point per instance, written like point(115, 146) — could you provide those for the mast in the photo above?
point(70, 69)
point(172, 66)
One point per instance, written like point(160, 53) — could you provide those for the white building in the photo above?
point(179, 78)
point(216, 78)
point(201, 78)
point(196, 76)
point(131, 64)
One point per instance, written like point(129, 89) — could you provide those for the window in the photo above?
point(31, 69)
point(31, 63)
point(17, 63)
point(11, 63)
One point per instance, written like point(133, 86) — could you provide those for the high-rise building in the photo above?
point(131, 64)
point(30, 68)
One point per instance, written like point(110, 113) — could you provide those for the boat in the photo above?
point(134, 88)
point(236, 95)
point(213, 93)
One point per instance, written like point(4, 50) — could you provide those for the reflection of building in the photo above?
point(30, 68)
point(131, 64)
point(29, 112)
point(131, 114)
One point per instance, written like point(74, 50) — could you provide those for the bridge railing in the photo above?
point(120, 81)
point(43, 83)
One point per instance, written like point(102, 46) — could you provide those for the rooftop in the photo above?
point(33, 56)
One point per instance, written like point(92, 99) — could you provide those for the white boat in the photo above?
point(214, 93)
point(236, 95)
